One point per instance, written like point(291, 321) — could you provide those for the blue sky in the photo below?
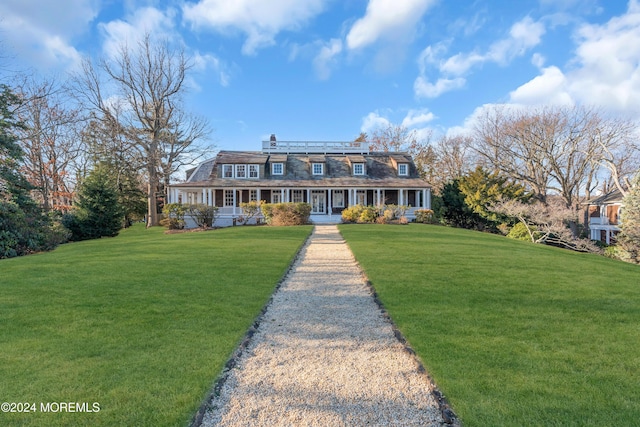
point(330, 69)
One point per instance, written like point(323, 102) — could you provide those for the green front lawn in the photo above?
point(140, 324)
point(514, 334)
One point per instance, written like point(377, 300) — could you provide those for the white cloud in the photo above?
point(374, 121)
point(146, 20)
point(417, 117)
point(41, 31)
point(259, 20)
point(326, 58)
point(607, 62)
point(205, 62)
point(550, 87)
point(523, 35)
point(425, 89)
point(388, 19)
point(605, 71)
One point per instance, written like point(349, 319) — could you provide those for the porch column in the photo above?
point(308, 195)
point(213, 197)
point(258, 195)
point(427, 198)
point(329, 202)
point(378, 200)
point(235, 200)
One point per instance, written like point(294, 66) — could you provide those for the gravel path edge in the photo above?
point(448, 415)
point(244, 342)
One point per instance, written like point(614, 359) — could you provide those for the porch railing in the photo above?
point(315, 147)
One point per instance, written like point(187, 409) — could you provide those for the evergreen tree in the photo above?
point(98, 212)
point(629, 238)
point(24, 228)
point(455, 212)
point(482, 190)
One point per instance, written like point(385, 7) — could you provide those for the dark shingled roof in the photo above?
point(380, 171)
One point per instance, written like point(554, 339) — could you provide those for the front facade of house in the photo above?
point(330, 176)
point(604, 217)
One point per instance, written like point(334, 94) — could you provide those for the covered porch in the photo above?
point(326, 203)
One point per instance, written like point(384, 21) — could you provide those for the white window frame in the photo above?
point(241, 171)
point(361, 197)
point(317, 168)
point(297, 196)
point(403, 169)
point(227, 171)
point(254, 171)
point(275, 166)
point(337, 199)
point(228, 198)
point(358, 168)
point(276, 196)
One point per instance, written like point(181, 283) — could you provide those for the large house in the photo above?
point(330, 176)
point(604, 216)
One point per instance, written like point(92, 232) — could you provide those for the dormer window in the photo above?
point(318, 168)
point(241, 171)
point(358, 168)
point(277, 169)
point(227, 171)
point(254, 171)
point(403, 169)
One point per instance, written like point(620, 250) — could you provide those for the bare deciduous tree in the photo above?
point(546, 223)
point(555, 150)
point(50, 142)
point(146, 106)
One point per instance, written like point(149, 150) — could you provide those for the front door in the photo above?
point(318, 201)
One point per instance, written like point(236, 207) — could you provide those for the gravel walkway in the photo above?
point(324, 354)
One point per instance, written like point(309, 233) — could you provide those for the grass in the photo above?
point(514, 334)
point(141, 324)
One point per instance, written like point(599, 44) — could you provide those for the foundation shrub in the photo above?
point(352, 213)
point(286, 213)
point(368, 215)
point(424, 216)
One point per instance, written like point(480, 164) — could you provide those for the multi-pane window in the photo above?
point(227, 171)
point(241, 171)
point(276, 196)
point(298, 196)
point(318, 168)
point(253, 195)
point(338, 198)
point(228, 197)
point(361, 197)
point(276, 169)
point(358, 168)
point(253, 171)
point(403, 169)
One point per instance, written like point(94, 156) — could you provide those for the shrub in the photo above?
point(381, 220)
point(352, 213)
point(388, 215)
point(368, 215)
point(174, 216)
point(519, 232)
point(203, 215)
point(286, 213)
point(250, 210)
point(403, 220)
point(424, 216)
